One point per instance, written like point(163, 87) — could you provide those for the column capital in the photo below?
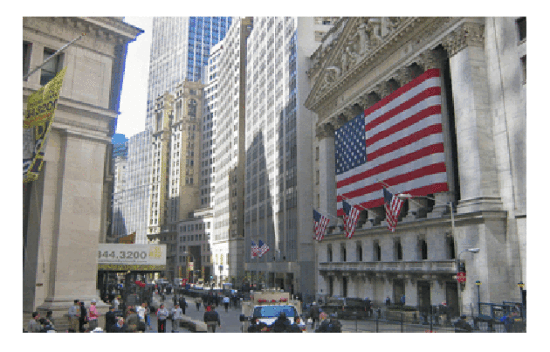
point(324, 130)
point(430, 59)
point(468, 34)
point(403, 76)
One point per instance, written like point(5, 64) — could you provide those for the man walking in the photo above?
point(177, 316)
point(211, 318)
point(74, 316)
point(162, 315)
point(226, 302)
point(314, 314)
point(93, 315)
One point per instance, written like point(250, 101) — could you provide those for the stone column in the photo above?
point(411, 292)
point(74, 219)
point(327, 171)
point(474, 123)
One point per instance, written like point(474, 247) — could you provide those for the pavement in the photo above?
point(229, 320)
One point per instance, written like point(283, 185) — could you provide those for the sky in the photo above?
point(133, 100)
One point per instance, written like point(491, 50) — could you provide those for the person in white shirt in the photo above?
point(226, 302)
point(142, 313)
point(177, 316)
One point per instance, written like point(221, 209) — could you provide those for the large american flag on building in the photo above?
point(254, 250)
point(398, 141)
point(263, 248)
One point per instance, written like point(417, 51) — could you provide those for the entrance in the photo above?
point(344, 286)
point(398, 290)
point(451, 296)
point(424, 299)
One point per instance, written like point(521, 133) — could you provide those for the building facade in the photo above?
point(278, 136)
point(66, 207)
point(180, 48)
point(227, 235)
point(482, 66)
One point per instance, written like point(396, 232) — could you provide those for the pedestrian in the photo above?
point(162, 315)
point(177, 316)
point(142, 313)
point(403, 300)
point(182, 304)
point(212, 319)
point(83, 319)
point(34, 324)
point(327, 324)
point(132, 320)
point(47, 322)
point(110, 319)
point(257, 326)
point(462, 325)
point(368, 307)
point(116, 302)
point(314, 314)
point(92, 315)
point(388, 301)
point(281, 324)
point(198, 303)
point(74, 315)
point(120, 326)
point(226, 302)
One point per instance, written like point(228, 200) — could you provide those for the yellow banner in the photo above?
point(37, 123)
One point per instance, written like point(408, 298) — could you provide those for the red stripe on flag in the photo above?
point(434, 72)
point(428, 92)
point(420, 153)
point(429, 111)
point(403, 142)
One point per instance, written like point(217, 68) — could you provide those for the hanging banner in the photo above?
point(37, 123)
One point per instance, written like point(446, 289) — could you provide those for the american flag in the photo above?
point(399, 141)
point(321, 223)
point(254, 249)
point(351, 214)
point(263, 248)
point(393, 206)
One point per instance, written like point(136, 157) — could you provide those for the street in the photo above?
point(229, 320)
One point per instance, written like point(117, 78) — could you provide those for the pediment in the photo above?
point(360, 39)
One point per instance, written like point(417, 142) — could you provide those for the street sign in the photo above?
point(461, 277)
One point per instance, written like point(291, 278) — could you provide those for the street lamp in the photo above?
point(478, 284)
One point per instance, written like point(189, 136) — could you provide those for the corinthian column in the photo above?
point(327, 170)
point(473, 119)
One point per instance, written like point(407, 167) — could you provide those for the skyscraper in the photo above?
point(179, 50)
point(278, 192)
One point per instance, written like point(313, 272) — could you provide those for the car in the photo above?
point(346, 307)
point(267, 314)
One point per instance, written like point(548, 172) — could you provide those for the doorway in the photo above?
point(451, 296)
point(424, 299)
point(398, 290)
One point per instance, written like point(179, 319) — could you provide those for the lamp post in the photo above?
point(478, 284)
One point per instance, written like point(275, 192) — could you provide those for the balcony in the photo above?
point(400, 267)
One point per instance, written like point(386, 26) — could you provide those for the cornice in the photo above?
point(349, 61)
point(467, 34)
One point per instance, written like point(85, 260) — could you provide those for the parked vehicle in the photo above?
point(346, 307)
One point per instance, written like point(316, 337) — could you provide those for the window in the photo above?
point(398, 250)
point(524, 68)
point(521, 24)
point(377, 251)
point(343, 253)
point(329, 254)
point(26, 57)
point(359, 252)
point(50, 69)
point(423, 249)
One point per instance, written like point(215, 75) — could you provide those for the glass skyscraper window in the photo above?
point(174, 38)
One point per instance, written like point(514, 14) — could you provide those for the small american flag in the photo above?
point(321, 223)
point(254, 249)
point(393, 206)
point(351, 214)
point(263, 248)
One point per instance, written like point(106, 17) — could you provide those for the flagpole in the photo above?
point(53, 55)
